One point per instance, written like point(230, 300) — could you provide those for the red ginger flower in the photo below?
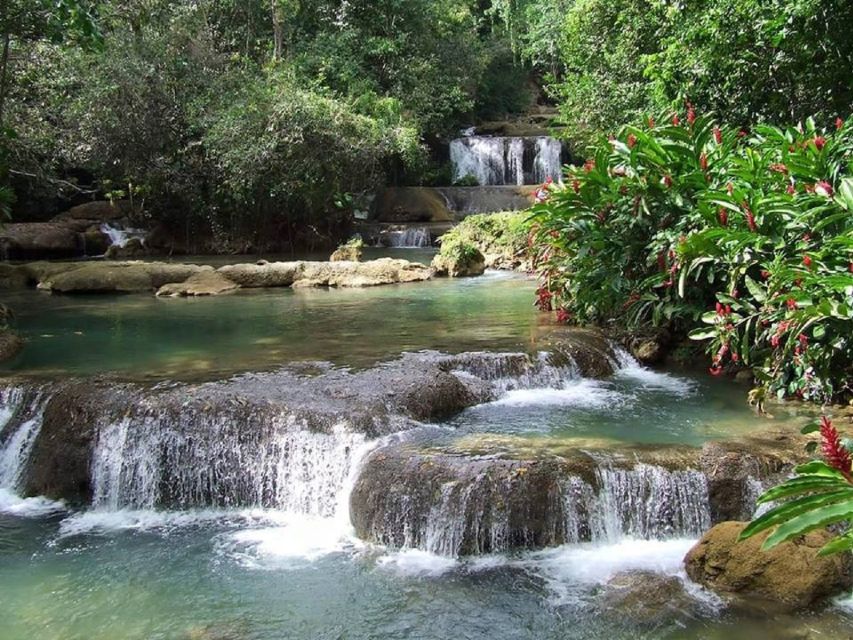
point(779, 167)
point(750, 217)
point(563, 315)
point(839, 123)
point(667, 180)
point(703, 162)
point(807, 261)
point(632, 141)
point(651, 122)
point(718, 135)
point(819, 142)
point(691, 114)
point(834, 452)
point(675, 120)
point(823, 188)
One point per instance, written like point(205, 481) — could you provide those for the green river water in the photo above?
point(264, 575)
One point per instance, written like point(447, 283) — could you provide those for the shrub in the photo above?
point(690, 221)
point(503, 236)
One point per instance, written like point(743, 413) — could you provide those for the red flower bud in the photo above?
point(632, 140)
point(667, 180)
point(576, 185)
point(675, 120)
point(718, 135)
point(703, 162)
point(792, 304)
point(839, 123)
point(819, 142)
point(750, 217)
point(651, 122)
point(765, 274)
point(791, 189)
point(691, 115)
point(807, 260)
point(834, 452)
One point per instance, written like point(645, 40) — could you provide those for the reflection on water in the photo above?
point(141, 335)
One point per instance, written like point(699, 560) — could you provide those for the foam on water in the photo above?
point(586, 394)
point(629, 369)
point(12, 504)
point(418, 563)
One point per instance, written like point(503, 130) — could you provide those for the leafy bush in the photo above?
point(690, 221)
point(820, 495)
point(502, 236)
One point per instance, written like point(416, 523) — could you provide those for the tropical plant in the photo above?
point(691, 221)
point(819, 495)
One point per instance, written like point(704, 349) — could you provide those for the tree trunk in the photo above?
point(4, 73)
point(278, 30)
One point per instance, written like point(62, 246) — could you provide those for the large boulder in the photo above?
point(361, 274)
point(95, 213)
point(263, 274)
point(120, 277)
point(203, 283)
point(27, 240)
point(791, 574)
point(411, 204)
point(464, 263)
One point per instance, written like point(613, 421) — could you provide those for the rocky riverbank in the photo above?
point(178, 279)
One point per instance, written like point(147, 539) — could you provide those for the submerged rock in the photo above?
point(791, 574)
point(10, 344)
point(646, 598)
point(203, 283)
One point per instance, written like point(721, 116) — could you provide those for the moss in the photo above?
point(500, 237)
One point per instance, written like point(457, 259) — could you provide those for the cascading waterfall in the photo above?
point(20, 423)
point(154, 462)
point(509, 371)
point(121, 236)
point(506, 161)
point(410, 238)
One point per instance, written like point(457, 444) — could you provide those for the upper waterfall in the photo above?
point(506, 161)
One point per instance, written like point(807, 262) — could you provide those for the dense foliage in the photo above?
point(818, 496)
point(609, 61)
point(267, 116)
point(501, 237)
point(682, 221)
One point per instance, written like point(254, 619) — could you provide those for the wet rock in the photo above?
point(455, 505)
point(60, 464)
point(203, 283)
point(11, 344)
point(134, 249)
point(460, 264)
point(94, 213)
point(646, 598)
point(411, 204)
point(28, 240)
point(126, 277)
point(13, 277)
point(791, 574)
point(735, 467)
point(586, 349)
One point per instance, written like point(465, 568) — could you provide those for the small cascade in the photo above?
point(506, 161)
point(650, 502)
point(511, 371)
point(490, 508)
point(409, 238)
point(160, 462)
point(20, 423)
point(121, 236)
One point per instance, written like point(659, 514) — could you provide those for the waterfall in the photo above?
point(158, 462)
point(20, 423)
point(506, 161)
point(121, 236)
point(493, 510)
point(410, 238)
point(649, 502)
point(510, 371)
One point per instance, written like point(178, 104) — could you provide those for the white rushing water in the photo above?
point(506, 161)
point(121, 236)
point(409, 238)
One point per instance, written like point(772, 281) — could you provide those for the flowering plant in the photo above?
point(820, 495)
point(694, 223)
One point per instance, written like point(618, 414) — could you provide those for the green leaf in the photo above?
point(787, 511)
point(802, 524)
point(801, 485)
point(839, 545)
